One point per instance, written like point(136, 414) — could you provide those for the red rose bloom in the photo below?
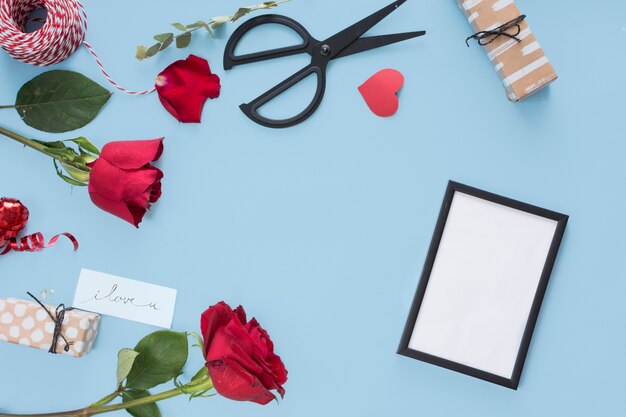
point(13, 218)
point(122, 181)
point(240, 356)
point(185, 85)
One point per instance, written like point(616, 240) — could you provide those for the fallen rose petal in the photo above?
point(184, 87)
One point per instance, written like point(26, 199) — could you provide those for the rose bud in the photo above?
point(122, 181)
point(240, 356)
point(184, 87)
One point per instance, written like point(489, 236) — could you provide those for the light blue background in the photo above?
point(320, 230)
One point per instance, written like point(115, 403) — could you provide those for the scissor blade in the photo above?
point(343, 39)
point(373, 42)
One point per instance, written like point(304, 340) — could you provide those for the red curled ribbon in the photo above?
point(13, 218)
point(35, 243)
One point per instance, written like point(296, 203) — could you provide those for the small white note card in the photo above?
point(125, 298)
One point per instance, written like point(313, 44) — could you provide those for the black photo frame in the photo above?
point(428, 339)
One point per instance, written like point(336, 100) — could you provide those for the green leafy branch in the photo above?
point(182, 40)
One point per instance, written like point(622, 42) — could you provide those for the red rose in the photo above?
point(185, 85)
point(122, 181)
point(13, 218)
point(240, 356)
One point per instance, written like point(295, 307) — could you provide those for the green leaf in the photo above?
point(84, 144)
point(200, 376)
point(199, 341)
point(125, 359)
point(148, 410)
point(65, 153)
point(179, 26)
point(240, 13)
point(81, 175)
point(245, 10)
point(153, 50)
point(59, 101)
point(182, 41)
point(163, 37)
point(162, 356)
point(141, 53)
point(208, 29)
point(60, 149)
point(219, 21)
point(87, 158)
point(52, 145)
point(67, 179)
point(198, 24)
point(199, 385)
point(166, 43)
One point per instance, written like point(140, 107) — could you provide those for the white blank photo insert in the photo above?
point(482, 285)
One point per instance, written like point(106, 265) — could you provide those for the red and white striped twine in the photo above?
point(61, 34)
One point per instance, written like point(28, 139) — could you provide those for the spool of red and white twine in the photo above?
point(62, 33)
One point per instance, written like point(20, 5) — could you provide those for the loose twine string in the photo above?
point(62, 33)
point(485, 37)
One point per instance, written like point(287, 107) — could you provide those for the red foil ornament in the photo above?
point(13, 218)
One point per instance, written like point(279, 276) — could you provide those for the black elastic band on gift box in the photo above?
point(57, 318)
point(485, 37)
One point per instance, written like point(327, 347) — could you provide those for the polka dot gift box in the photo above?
point(27, 323)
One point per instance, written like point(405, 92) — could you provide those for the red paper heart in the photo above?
point(380, 92)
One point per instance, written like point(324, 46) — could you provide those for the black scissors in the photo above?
point(347, 42)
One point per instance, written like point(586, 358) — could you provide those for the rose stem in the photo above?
point(28, 142)
point(138, 402)
point(107, 399)
point(90, 411)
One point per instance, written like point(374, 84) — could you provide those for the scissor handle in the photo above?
point(251, 109)
point(231, 60)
